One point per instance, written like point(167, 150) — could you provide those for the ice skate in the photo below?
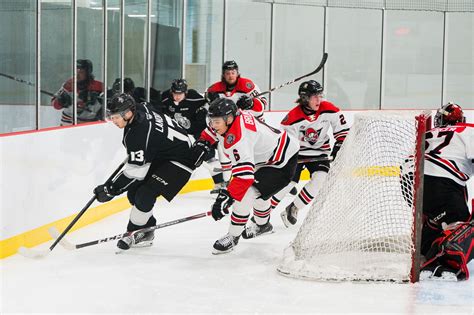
point(140, 239)
point(438, 273)
point(289, 215)
point(253, 229)
point(225, 244)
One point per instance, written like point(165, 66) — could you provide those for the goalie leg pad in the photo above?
point(452, 250)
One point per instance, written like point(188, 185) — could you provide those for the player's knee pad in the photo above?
point(453, 248)
point(317, 180)
point(145, 198)
point(244, 206)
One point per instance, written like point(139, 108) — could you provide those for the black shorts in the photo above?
point(270, 180)
point(444, 200)
point(163, 179)
point(312, 167)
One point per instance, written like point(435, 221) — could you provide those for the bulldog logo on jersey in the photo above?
point(230, 138)
point(310, 135)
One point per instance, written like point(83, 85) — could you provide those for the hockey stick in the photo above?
point(24, 81)
point(321, 65)
point(305, 160)
point(68, 245)
point(31, 253)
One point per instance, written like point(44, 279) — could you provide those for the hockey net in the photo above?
point(365, 222)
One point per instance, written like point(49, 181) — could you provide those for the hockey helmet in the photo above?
point(230, 65)
point(222, 107)
point(86, 65)
point(121, 104)
point(128, 86)
point(309, 88)
point(449, 114)
point(179, 86)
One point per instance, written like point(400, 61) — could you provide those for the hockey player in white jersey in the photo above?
point(309, 122)
point(446, 240)
point(263, 162)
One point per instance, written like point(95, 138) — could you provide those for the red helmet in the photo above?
point(449, 114)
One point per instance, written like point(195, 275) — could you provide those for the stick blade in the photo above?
point(31, 253)
point(53, 231)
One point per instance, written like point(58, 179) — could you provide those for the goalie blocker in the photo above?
point(450, 253)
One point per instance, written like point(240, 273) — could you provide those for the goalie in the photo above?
point(446, 240)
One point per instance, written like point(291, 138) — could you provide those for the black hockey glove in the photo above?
point(245, 102)
point(222, 204)
point(105, 193)
point(201, 151)
point(210, 96)
point(64, 98)
point(335, 149)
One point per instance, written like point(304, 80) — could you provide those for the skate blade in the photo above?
point(220, 252)
point(285, 220)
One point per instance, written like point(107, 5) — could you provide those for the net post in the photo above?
point(423, 125)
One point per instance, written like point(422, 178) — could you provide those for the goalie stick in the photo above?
point(31, 253)
point(70, 246)
point(319, 68)
point(303, 160)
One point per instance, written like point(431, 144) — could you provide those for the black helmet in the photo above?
point(179, 86)
point(128, 86)
point(309, 88)
point(222, 107)
point(449, 114)
point(85, 64)
point(230, 65)
point(120, 104)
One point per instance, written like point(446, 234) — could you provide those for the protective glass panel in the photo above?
point(204, 36)
point(17, 66)
point(353, 68)
point(297, 50)
point(413, 59)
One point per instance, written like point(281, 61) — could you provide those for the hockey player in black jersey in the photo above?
point(189, 109)
point(161, 160)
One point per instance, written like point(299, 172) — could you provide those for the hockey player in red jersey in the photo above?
point(263, 162)
point(89, 107)
point(309, 122)
point(239, 89)
point(446, 240)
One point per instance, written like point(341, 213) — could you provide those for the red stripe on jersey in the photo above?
point(447, 163)
point(280, 148)
point(238, 187)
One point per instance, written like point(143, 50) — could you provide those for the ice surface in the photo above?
point(178, 274)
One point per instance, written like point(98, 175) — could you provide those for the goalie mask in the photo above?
point(449, 115)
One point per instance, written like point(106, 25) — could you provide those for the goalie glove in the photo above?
point(222, 204)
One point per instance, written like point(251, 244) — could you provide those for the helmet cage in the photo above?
point(449, 114)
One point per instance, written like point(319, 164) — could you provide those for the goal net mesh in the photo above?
point(361, 224)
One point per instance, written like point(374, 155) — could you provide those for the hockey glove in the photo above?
point(222, 204)
point(201, 151)
point(335, 149)
point(64, 98)
point(105, 193)
point(210, 96)
point(245, 102)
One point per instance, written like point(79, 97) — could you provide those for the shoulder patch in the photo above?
point(230, 138)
